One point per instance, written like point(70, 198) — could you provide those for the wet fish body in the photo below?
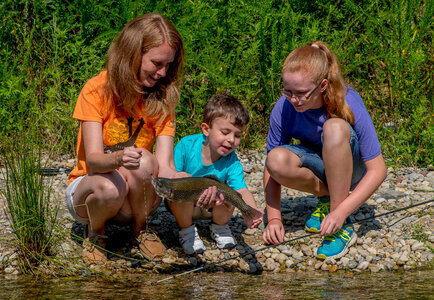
point(188, 189)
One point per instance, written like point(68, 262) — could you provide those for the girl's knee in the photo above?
point(148, 164)
point(280, 160)
point(335, 132)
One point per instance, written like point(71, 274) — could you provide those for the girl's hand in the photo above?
point(129, 158)
point(209, 198)
point(253, 223)
point(274, 232)
point(332, 223)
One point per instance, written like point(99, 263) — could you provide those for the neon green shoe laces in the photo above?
point(322, 210)
point(342, 233)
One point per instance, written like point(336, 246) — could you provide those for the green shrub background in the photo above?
point(49, 49)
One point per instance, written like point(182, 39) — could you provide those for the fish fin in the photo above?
point(212, 177)
point(253, 213)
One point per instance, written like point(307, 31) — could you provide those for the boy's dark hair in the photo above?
point(223, 105)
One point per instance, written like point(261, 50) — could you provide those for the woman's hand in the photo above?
point(209, 198)
point(129, 158)
point(274, 232)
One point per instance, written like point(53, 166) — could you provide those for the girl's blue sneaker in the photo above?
point(337, 245)
point(313, 222)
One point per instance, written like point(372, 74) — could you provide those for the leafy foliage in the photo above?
point(49, 49)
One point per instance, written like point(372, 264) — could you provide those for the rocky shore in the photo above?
point(400, 241)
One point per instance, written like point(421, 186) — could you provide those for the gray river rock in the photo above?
point(399, 241)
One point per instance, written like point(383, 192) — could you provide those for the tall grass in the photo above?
point(48, 51)
point(29, 208)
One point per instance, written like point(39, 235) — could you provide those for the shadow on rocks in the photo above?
point(363, 212)
point(247, 253)
point(296, 210)
point(119, 237)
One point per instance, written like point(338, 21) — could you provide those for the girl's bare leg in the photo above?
point(284, 168)
point(338, 159)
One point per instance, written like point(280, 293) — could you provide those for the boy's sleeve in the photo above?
point(179, 156)
point(235, 177)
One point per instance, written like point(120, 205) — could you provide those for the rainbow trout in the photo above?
point(188, 189)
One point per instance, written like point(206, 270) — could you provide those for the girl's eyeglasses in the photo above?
point(288, 95)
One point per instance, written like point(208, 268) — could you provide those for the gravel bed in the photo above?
point(400, 241)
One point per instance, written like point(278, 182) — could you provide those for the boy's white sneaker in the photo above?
point(222, 235)
point(190, 240)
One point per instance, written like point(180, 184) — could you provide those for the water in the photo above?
point(408, 285)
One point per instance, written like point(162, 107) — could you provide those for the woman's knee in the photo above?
point(110, 190)
point(148, 167)
point(335, 132)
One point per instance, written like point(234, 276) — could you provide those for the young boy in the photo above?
point(213, 153)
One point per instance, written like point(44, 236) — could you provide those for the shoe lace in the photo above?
point(97, 241)
point(322, 210)
point(342, 233)
point(146, 234)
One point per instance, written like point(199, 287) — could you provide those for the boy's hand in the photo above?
point(274, 232)
point(181, 175)
point(209, 198)
point(253, 223)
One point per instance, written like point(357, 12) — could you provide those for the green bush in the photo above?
point(49, 49)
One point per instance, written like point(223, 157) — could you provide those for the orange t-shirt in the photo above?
point(118, 131)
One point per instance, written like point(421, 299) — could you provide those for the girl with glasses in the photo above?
point(338, 158)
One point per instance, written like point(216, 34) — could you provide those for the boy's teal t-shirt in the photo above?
point(188, 158)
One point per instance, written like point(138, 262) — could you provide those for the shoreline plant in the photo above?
point(29, 208)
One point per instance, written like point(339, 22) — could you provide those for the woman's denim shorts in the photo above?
point(313, 161)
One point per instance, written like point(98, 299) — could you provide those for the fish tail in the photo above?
point(252, 213)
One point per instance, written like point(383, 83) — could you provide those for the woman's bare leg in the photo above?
point(141, 194)
point(99, 197)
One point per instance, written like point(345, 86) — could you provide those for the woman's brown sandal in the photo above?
point(94, 252)
point(150, 245)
